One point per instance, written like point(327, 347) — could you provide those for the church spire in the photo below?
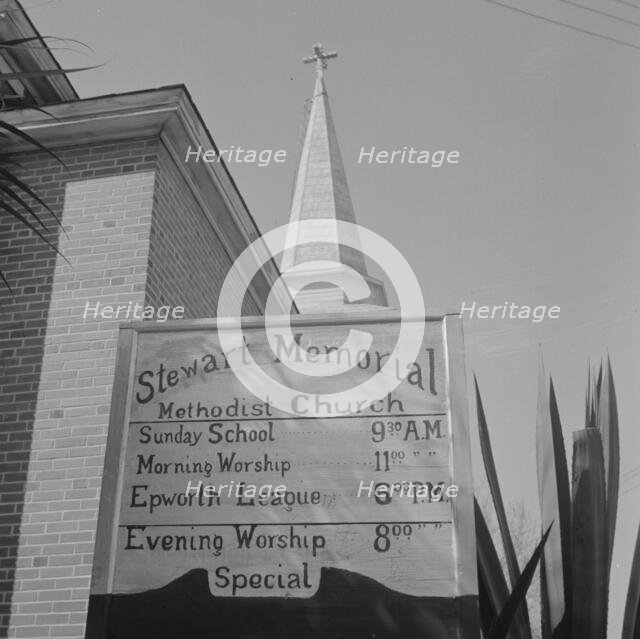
point(321, 194)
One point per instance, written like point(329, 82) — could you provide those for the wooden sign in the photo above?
point(224, 516)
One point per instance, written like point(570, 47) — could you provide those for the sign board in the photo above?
point(224, 516)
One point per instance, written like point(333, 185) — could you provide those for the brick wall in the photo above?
point(108, 222)
point(135, 234)
point(29, 265)
point(187, 261)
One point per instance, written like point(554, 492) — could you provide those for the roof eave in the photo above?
point(168, 114)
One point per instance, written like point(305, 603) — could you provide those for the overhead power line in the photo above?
point(629, 4)
point(630, 489)
point(565, 24)
point(602, 13)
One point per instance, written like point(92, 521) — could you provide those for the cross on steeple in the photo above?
point(320, 58)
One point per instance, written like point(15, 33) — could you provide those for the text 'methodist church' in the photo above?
point(142, 227)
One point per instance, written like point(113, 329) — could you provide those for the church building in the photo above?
point(139, 227)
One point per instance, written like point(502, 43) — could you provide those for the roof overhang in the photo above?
point(169, 114)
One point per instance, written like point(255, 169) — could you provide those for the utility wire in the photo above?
point(631, 471)
point(602, 13)
point(629, 4)
point(628, 490)
point(564, 24)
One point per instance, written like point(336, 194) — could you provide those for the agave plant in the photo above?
point(578, 516)
point(17, 198)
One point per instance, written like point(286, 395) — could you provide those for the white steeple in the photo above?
point(320, 197)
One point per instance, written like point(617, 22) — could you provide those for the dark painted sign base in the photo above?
point(346, 606)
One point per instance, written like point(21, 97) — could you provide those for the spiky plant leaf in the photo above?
point(587, 401)
point(29, 139)
point(21, 218)
point(20, 42)
point(592, 399)
point(9, 44)
point(5, 159)
point(493, 591)
point(563, 630)
point(15, 181)
point(607, 421)
point(522, 627)
point(590, 563)
point(18, 101)
point(506, 617)
point(631, 623)
point(599, 380)
point(7, 190)
point(555, 505)
point(12, 189)
point(545, 621)
point(5, 281)
point(23, 75)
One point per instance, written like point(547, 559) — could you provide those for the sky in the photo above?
point(542, 208)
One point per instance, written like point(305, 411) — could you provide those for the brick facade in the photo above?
point(136, 232)
point(187, 263)
point(110, 225)
point(29, 266)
